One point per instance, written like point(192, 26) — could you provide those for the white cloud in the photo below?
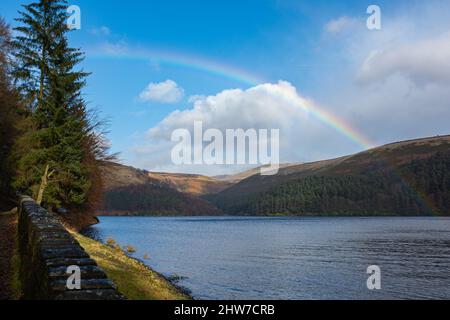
point(394, 82)
point(401, 93)
point(263, 106)
point(341, 24)
point(164, 92)
point(266, 106)
point(422, 62)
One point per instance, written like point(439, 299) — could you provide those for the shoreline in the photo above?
point(180, 288)
point(269, 216)
point(183, 290)
point(134, 279)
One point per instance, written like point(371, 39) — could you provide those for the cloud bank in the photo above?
point(266, 106)
point(422, 62)
point(390, 84)
point(394, 83)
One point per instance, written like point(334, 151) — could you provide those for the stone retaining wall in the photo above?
point(46, 251)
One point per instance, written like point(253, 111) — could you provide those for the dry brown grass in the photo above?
point(196, 185)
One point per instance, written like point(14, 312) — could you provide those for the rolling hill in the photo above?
point(238, 177)
point(130, 191)
point(403, 178)
point(196, 185)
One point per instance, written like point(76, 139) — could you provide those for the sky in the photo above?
point(309, 68)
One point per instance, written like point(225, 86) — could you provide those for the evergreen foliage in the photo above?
point(61, 133)
point(420, 187)
point(9, 112)
point(151, 199)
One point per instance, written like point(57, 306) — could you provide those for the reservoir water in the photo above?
point(292, 258)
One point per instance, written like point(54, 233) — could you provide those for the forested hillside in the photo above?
point(410, 178)
point(154, 200)
point(130, 191)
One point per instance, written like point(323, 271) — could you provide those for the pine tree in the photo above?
point(63, 135)
point(9, 112)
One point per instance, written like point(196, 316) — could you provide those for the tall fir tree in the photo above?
point(64, 136)
point(9, 115)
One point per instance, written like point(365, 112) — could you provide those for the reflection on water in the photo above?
point(292, 258)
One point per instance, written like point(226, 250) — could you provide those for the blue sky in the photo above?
point(319, 47)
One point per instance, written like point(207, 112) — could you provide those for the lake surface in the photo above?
point(292, 258)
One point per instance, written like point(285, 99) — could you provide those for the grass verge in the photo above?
point(134, 279)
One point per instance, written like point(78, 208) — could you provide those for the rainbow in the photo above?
point(229, 72)
point(327, 118)
point(177, 59)
point(339, 125)
point(241, 76)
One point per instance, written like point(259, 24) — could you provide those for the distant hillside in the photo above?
point(116, 175)
point(131, 191)
point(236, 178)
point(190, 183)
point(382, 181)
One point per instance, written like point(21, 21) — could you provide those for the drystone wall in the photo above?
point(47, 252)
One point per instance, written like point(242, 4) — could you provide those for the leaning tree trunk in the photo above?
point(43, 186)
